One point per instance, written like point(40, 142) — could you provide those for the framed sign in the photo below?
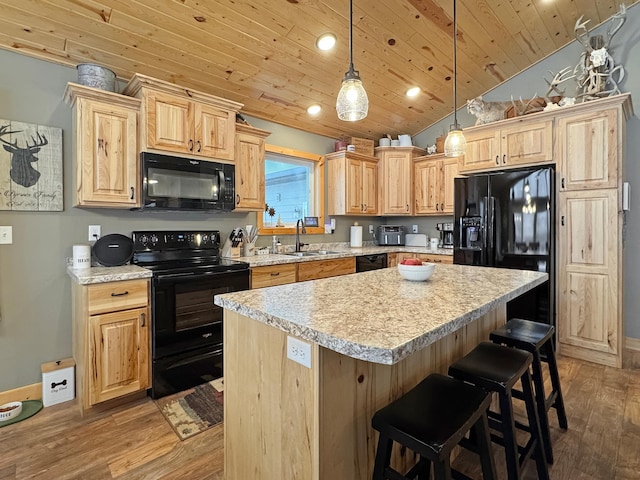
point(30, 167)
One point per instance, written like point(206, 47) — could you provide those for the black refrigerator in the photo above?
point(507, 220)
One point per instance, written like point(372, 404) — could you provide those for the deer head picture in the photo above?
point(22, 172)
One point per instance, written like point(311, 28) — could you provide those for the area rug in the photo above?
point(195, 410)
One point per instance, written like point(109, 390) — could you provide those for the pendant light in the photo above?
point(352, 103)
point(455, 144)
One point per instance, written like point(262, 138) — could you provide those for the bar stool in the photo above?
point(431, 419)
point(537, 339)
point(496, 368)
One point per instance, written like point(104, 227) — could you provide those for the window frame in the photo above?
point(319, 191)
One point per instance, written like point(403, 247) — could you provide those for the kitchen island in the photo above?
point(359, 342)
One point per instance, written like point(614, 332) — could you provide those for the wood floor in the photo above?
point(136, 443)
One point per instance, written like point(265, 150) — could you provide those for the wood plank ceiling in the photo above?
point(262, 52)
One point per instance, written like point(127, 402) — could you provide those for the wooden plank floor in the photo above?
point(136, 443)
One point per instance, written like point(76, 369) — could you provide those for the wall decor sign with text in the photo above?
point(30, 167)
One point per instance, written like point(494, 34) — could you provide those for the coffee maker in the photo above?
point(446, 234)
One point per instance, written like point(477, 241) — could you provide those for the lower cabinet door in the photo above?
point(119, 352)
point(589, 300)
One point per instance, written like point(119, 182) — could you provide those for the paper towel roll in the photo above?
point(356, 236)
point(81, 256)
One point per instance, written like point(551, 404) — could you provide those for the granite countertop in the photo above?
point(337, 251)
point(377, 316)
point(87, 276)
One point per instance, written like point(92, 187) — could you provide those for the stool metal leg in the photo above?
point(442, 470)
point(534, 426)
point(541, 402)
point(558, 404)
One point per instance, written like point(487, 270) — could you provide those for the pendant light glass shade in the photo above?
point(352, 103)
point(455, 144)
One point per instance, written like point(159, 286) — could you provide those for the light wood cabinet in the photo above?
point(353, 184)
point(326, 268)
point(590, 158)
point(104, 148)
point(249, 158)
point(185, 121)
point(111, 340)
point(589, 310)
point(587, 151)
point(425, 257)
point(271, 275)
point(395, 171)
point(509, 143)
point(433, 177)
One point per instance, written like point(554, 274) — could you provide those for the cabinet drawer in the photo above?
point(271, 275)
point(436, 258)
point(115, 296)
point(326, 268)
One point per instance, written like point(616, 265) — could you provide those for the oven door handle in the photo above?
point(189, 277)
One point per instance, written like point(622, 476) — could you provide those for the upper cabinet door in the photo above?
point(250, 177)
point(170, 123)
point(450, 168)
point(214, 132)
point(426, 175)
point(107, 157)
point(588, 150)
point(527, 143)
point(370, 187)
point(483, 150)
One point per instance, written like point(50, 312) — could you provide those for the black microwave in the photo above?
point(176, 183)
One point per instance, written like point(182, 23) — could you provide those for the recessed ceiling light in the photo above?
point(326, 41)
point(314, 109)
point(413, 91)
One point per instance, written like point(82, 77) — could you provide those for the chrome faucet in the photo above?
point(304, 230)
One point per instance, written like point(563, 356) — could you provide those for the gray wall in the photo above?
point(35, 292)
point(625, 49)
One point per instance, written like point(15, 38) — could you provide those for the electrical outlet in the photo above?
point(6, 235)
point(94, 232)
point(299, 351)
point(370, 228)
point(414, 228)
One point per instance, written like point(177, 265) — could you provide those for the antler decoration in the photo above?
point(596, 69)
point(558, 78)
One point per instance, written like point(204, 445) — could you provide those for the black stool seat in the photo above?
point(497, 369)
point(537, 338)
point(431, 419)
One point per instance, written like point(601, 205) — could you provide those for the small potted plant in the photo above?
point(271, 211)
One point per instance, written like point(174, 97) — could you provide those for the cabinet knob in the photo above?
point(562, 182)
point(442, 207)
point(275, 274)
point(190, 145)
point(132, 193)
point(437, 207)
point(238, 199)
point(504, 159)
point(407, 207)
point(121, 294)
point(362, 207)
point(365, 208)
point(497, 159)
point(562, 220)
point(143, 318)
point(199, 146)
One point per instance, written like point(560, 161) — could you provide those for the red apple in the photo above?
point(411, 261)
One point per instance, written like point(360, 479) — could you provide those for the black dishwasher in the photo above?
point(364, 263)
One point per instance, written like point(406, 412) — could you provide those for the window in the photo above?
point(294, 189)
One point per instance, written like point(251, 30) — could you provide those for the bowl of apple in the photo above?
point(415, 270)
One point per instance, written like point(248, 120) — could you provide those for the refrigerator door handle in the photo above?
point(490, 228)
